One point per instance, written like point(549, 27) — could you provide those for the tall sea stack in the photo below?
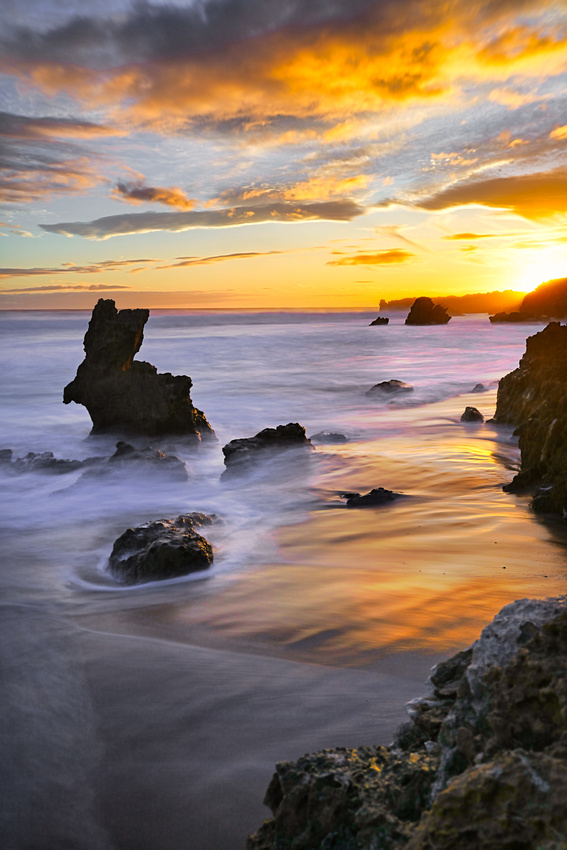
point(124, 395)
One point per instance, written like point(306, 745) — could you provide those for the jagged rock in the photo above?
point(375, 498)
point(534, 398)
point(425, 312)
point(161, 549)
point(471, 414)
point(380, 320)
point(328, 437)
point(239, 455)
point(390, 388)
point(126, 395)
point(481, 764)
point(513, 317)
point(38, 462)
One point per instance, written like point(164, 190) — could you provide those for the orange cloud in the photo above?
point(219, 258)
point(559, 133)
point(376, 258)
point(72, 268)
point(137, 193)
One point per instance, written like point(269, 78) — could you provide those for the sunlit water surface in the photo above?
point(315, 622)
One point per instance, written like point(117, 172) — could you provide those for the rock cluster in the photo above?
point(165, 548)
point(240, 455)
point(380, 320)
point(425, 312)
point(516, 316)
point(126, 395)
point(481, 764)
point(534, 398)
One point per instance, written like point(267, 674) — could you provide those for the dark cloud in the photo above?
point(138, 193)
point(533, 196)
point(67, 287)
point(374, 258)
point(218, 258)
point(120, 225)
point(71, 268)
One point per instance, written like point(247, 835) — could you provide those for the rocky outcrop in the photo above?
point(548, 299)
point(425, 312)
point(513, 317)
point(481, 764)
point(125, 395)
point(472, 414)
point(534, 398)
point(330, 437)
point(390, 388)
point(165, 548)
point(380, 320)
point(37, 462)
point(375, 498)
point(240, 455)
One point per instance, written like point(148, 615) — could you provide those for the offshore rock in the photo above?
point(329, 437)
point(380, 320)
point(165, 548)
point(391, 387)
point(37, 462)
point(375, 498)
point(425, 312)
point(126, 395)
point(240, 455)
point(534, 398)
point(129, 462)
point(479, 388)
point(513, 317)
point(481, 764)
point(472, 414)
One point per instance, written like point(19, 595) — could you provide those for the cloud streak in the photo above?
point(138, 193)
point(72, 268)
point(374, 258)
point(66, 287)
point(130, 223)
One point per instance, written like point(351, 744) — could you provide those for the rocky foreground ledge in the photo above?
point(481, 764)
point(534, 398)
point(128, 396)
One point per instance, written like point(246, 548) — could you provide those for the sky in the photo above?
point(280, 154)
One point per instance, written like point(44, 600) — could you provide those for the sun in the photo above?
point(549, 265)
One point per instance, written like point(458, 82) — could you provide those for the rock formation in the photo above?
point(165, 548)
point(481, 764)
point(472, 414)
point(330, 437)
point(375, 498)
point(390, 388)
point(425, 312)
point(548, 299)
point(517, 316)
point(534, 398)
point(125, 395)
point(380, 320)
point(239, 455)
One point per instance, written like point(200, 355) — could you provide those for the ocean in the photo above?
point(150, 717)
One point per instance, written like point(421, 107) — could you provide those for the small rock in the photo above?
point(471, 414)
point(328, 437)
point(375, 498)
point(165, 548)
point(240, 454)
point(380, 320)
point(390, 388)
point(479, 388)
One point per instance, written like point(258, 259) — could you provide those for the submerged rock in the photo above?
point(425, 312)
point(391, 387)
point(471, 414)
point(165, 548)
point(126, 395)
point(38, 462)
point(481, 764)
point(534, 398)
point(239, 455)
point(328, 437)
point(375, 498)
point(380, 320)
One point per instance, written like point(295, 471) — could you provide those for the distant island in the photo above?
point(479, 302)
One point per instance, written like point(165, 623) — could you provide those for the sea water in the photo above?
point(151, 716)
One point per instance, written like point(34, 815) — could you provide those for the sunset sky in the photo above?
point(280, 153)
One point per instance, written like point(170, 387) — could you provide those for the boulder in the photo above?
point(482, 763)
point(375, 498)
point(471, 414)
point(240, 455)
point(165, 548)
point(534, 399)
point(328, 437)
point(380, 320)
point(390, 388)
point(125, 395)
point(425, 312)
